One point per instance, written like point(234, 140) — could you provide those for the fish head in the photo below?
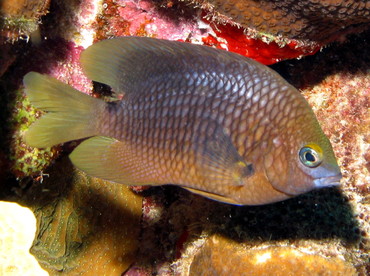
point(302, 160)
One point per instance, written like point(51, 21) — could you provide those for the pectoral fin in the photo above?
point(109, 159)
point(218, 159)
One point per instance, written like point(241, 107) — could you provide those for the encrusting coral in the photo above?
point(85, 226)
point(220, 256)
point(18, 19)
point(15, 258)
point(309, 20)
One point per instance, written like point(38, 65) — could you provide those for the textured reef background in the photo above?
point(81, 225)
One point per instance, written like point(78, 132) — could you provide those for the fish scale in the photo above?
point(213, 122)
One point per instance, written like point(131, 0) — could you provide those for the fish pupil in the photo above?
point(310, 157)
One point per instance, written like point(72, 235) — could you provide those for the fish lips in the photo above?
point(318, 183)
point(327, 175)
point(328, 181)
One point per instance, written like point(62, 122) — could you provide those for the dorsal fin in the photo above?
point(131, 64)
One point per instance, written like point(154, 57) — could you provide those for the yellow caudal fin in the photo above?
point(69, 112)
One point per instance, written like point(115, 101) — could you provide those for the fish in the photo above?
point(211, 121)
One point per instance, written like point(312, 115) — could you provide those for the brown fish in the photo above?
point(214, 122)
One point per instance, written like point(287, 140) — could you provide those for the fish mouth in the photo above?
point(328, 181)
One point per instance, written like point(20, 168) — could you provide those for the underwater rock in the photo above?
point(18, 19)
point(85, 226)
point(148, 18)
point(305, 20)
point(346, 99)
point(17, 230)
point(72, 20)
point(220, 256)
point(336, 83)
point(175, 20)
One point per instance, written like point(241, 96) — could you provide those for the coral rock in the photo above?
point(17, 229)
point(85, 226)
point(220, 256)
point(18, 19)
point(312, 20)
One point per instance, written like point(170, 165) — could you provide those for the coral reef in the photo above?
point(305, 20)
point(15, 258)
point(18, 19)
point(146, 18)
point(236, 40)
point(103, 227)
point(84, 225)
point(220, 256)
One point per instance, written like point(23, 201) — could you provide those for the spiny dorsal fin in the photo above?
point(129, 63)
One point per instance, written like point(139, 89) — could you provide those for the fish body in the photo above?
point(211, 121)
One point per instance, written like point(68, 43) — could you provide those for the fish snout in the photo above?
point(328, 181)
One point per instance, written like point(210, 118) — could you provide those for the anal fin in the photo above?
point(213, 196)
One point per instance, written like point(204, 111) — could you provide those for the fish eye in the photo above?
point(310, 157)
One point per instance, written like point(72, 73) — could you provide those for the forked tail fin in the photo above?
point(70, 115)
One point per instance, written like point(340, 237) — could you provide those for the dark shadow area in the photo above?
point(175, 11)
point(319, 215)
point(351, 56)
